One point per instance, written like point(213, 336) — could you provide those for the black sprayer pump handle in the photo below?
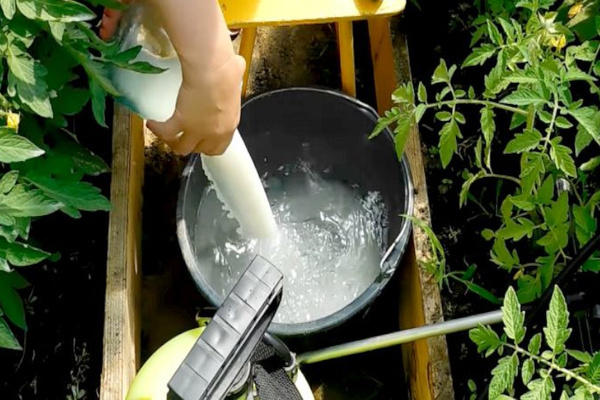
point(225, 346)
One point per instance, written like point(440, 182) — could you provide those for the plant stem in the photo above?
point(556, 367)
point(501, 176)
point(478, 102)
point(552, 122)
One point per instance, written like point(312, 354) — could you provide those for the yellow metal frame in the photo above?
point(251, 14)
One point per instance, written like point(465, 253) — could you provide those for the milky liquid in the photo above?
point(330, 242)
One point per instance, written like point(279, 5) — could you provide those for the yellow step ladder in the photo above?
point(248, 15)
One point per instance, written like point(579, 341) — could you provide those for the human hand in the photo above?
point(209, 100)
point(207, 111)
point(110, 22)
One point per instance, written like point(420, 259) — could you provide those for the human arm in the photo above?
point(208, 106)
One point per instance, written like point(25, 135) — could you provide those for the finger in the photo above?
point(169, 130)
point(214, 147)
point(110, 22)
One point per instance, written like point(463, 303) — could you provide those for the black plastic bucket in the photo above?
point(330, 130)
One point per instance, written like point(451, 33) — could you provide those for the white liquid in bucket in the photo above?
point(329, 245)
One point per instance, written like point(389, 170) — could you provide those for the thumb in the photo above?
point(169, 130)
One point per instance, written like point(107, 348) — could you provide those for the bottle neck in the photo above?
point(141, 25)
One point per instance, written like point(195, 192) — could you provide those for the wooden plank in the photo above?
point(345, 36)
point(246, 49)
point(121, 319)
point(426, 362)
point(252, 13)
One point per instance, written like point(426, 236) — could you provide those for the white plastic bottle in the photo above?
point(154, 96)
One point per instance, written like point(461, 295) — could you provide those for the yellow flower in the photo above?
point(559, 42)
point(574, 10)
point(13, 120)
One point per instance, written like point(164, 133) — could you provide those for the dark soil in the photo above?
point(63, 347)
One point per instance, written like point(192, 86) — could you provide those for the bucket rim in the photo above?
point(388, 264)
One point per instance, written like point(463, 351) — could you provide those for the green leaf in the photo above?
point(524, 97)
point(478, 155)
point(139, 66)
point(539, 389)
point(448, 146)
point(72, 100)
point(22, 66)
point(521, 77)
point(443, 116)
point(517, 230)
point(592, 265)
point(488, 127)
point(585, 116)
point(419, 112)
point(585, 223)
point(591, 164)
point(402, 133)
point(508, 29)
point(4, 267)
point(479, 55)
point(22, 202)
point(556, 219)
point(503, 376)
point(494, 33)
point(488, 234)
point(576, 74)
point(422, 93)
point(481, 291)
point(55, 10)
point(83, 160)
point(501, 256)
point(471, 93)
point(530, 288)
point(528, 140)
point(582, 140)
point(404, 94)
point(512, 317)
point(532, 170)
point(12, 305)
point(557, 329)
point(580, 356)
point(384, 121)
point(8, 181)
point(546, 191)
point(466, 186)
point(561, 155)
point(517, 120)
point(15, 148)
point(486, 339)
point(527, 371)
point(95, 71)
point(441, 75)
point(34, 95)
point(80, 195)
point(98, 102)
point(57, 29)
point(8, 8)
point(7, 338)
point(21, 255)
point(593, 370)
point(563, 123)
point(535, 344)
